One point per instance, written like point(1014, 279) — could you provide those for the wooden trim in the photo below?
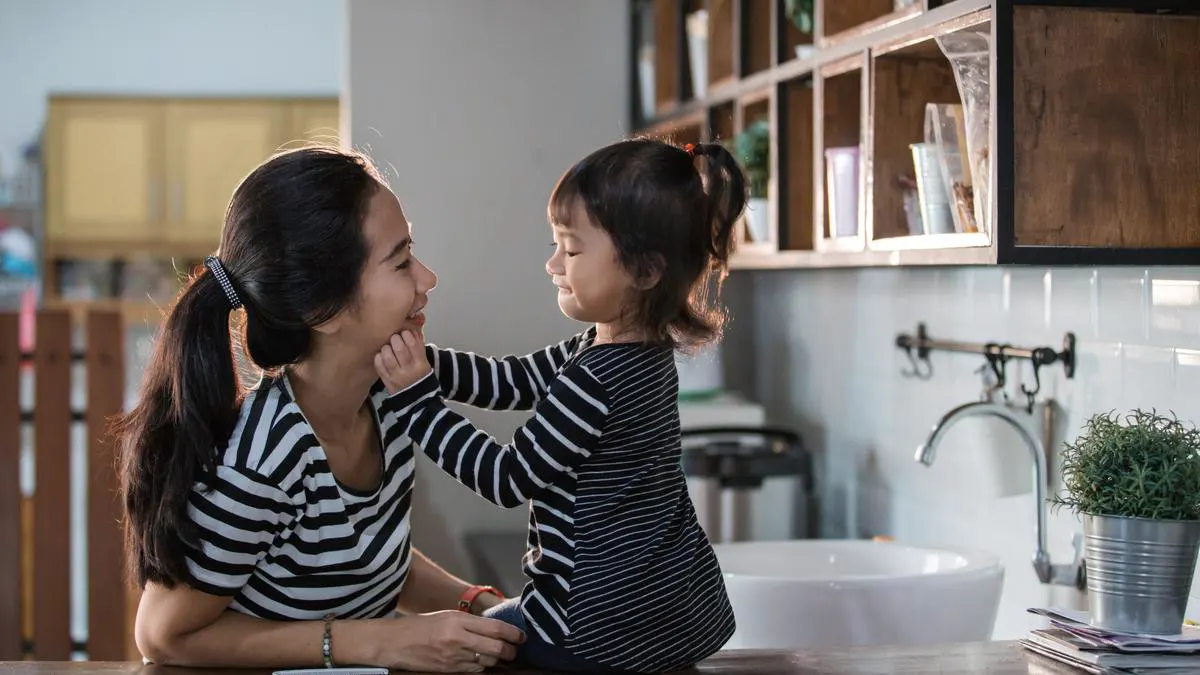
point(928, 33)
point(83, 96)
point(882, 23)
point(140, 312)
point(841, 259)
point(843, 66)
point(52, 492)
point(758, 96)
point(10, 488)
point(128, 249)
point(105, 361)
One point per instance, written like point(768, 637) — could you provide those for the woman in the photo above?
point(270, 527)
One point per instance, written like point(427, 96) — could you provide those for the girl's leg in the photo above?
point(509, 612)
point(537, 652)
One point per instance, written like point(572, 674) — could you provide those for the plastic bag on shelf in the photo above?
point(943, 130)
point(969, 54)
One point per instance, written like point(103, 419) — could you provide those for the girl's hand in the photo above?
point(402, 361)
point(442, 642)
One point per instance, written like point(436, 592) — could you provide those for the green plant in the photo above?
point(1148, 467)
point(752, 147)
point(801, 14)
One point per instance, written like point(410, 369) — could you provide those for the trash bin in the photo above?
point(740, 478)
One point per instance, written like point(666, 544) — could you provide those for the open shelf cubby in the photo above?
point(1048, 132)
point(840, 199)
point(909, 78)
point(796, 162)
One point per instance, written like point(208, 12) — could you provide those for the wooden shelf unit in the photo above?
point(1092, 155)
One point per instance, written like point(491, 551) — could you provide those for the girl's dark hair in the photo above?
point(670, 212)
point(293, 248)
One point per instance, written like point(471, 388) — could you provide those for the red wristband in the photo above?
point(468, 597)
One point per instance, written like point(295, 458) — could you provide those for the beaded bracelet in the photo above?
point(327, 642)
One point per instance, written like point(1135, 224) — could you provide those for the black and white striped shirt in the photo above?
point(279, 534)
point(620, 570)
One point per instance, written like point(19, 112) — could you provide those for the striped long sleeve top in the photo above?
point(619, 569)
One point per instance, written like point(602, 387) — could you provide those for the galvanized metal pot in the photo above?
point(1139, 572)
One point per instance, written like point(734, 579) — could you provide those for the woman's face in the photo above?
point(395, 285)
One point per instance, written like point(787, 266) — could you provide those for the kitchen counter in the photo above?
point(993, 658)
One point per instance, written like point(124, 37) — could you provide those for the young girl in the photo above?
point(621, 575)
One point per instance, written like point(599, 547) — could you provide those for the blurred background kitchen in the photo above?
point(126, 124)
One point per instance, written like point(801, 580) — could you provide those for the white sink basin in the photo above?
point(829, 593)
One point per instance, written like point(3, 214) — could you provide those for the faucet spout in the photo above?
point(927, 453)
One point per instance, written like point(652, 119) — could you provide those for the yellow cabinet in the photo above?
point(315, 121)
point(211, 146)
point(128, 176)
point(104, 179)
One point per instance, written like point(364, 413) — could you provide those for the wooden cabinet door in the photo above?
point(104, 169)
point(315, 121)
point(211, 146)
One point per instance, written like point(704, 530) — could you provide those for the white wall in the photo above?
point(827, 364)
point(160, 48)
point(477, 108)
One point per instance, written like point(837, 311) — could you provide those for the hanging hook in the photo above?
point(997, 373)
point(999, 361)
point(1040, 357)
point(916, 370)
point(907, 344)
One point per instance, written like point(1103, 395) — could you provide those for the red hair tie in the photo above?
point(690, 149)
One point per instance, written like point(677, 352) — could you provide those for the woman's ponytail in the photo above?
point(187, 408)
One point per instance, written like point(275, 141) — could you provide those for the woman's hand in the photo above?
point(402, 361)
point(442, 642)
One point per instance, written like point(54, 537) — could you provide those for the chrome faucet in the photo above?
point(1072, 574)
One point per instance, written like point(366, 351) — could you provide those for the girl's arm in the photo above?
point(181, 626)
point(505, 383)
point(564, 429)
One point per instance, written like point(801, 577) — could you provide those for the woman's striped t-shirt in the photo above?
point(278, 533)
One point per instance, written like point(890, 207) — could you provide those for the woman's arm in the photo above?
point(505, 383)
point(237, 520)
point(185, 627)
point(429, 588)
point(181, 626)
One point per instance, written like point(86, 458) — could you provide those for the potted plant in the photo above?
point(1136, 482)
point(752, 147)
point(801, 14)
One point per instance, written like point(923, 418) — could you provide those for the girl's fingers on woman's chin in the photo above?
point(388, 355)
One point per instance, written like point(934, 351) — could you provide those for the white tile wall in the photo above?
point(826, 364)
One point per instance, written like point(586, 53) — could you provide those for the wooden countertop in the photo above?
point(993, 658)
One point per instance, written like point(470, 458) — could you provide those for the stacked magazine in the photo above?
point(1070, 639)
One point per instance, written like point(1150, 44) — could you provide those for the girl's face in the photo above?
point(395, 285)
point(593, 285)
